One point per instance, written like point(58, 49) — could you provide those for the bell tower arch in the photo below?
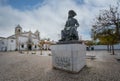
point(18, 29)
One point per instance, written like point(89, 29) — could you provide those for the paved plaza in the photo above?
point(15, 66)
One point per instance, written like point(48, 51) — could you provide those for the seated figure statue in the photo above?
point(70, 30)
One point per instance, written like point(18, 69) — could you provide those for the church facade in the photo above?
point(20, 40)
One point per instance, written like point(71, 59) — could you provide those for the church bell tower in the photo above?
point(18, 30)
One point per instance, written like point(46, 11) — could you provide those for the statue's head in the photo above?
point(71, 13)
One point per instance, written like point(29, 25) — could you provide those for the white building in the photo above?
point(20, 40)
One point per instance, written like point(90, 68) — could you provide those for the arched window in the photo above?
point(22, 45)
point(18, 30)
point(35, 46)
point(11, 40)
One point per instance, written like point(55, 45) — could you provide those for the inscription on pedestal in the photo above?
point(63, 61)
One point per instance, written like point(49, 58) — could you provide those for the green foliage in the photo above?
point(108, 39)
point(89, 43)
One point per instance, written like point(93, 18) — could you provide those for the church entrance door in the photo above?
point(29, 47)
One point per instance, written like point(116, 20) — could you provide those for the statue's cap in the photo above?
point(72, 13)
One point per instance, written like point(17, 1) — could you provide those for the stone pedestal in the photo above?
point(69, 57)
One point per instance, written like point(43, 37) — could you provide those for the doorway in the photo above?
point(29, 47)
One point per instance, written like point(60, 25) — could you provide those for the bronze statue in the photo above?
point(70, 30)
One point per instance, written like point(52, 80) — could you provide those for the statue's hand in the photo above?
point(66, 28)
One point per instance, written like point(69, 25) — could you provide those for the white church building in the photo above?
point(20, 40)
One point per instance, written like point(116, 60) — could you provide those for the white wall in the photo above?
point(24, 40)
point(3, 45)
point(35, 41)
point(11, 44)
point(117, 46)
point(100, 47)
point(104, 47)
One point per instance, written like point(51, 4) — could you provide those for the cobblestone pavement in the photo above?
point(29, 67)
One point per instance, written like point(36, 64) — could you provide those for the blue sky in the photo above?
point(24, 4)
point(30, 4)
point(49, 16)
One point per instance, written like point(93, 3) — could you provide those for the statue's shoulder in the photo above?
point(74, 19)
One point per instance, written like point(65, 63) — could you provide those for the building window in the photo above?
point(3, 43)
point(18, 30)
point(35, 46)
point(22, 45)
point(11, 40)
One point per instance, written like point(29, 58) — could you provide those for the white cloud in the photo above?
point(50, 17)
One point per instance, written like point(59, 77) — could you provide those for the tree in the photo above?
point(106, 26)
point(109, 39)
point(41, 44)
